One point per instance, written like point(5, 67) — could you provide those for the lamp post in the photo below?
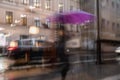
point(99, 60)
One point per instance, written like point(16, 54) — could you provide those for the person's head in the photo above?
point(60, 32)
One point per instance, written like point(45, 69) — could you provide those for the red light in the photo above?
point(12, 48)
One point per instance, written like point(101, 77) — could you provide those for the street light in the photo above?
point(34, 30)
point(99, 60)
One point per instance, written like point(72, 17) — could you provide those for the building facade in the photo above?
point(109, 25)
point(17, 16)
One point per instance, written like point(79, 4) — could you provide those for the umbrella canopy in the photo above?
point(75, 17)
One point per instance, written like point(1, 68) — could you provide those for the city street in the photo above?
point(57, 39)
point(77, 71)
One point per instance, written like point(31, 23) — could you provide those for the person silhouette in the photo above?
point(62, 56)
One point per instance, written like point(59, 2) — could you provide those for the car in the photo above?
point(31, 49)
point(117, 50)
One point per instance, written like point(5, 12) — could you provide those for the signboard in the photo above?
point(73, 43)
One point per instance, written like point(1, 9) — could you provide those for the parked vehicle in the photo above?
point(117, 50)
point(31, 49)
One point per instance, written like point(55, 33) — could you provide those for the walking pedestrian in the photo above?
point(63, 57)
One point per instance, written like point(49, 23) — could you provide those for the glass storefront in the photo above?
point(47, 35)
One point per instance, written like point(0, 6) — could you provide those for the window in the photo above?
point(10, 0)
point(48, 4)
point(107, 24)
point(23, 20)
point(26, 42)
point(117, 5)
point(77, 28)
point(118, 28)
point(103, 3)
point(107, 1)
point(37, 22)
point(25, 2)
point(9, 17)
point(24, 36)
point(31, 2)
point(61, 7)
point(113, 26)
point(103, 24)
point(47, 23)
point(113, 4)
point(71, 26)
point(71, 8)
point(36, 3)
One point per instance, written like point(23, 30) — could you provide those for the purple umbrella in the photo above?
point(76, 17)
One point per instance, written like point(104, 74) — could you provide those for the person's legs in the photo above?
point(64, 71)
point(64, 60)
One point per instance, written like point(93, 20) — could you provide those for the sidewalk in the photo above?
point(114, 77)
point(78, 71)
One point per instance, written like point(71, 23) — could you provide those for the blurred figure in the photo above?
point(63, 57)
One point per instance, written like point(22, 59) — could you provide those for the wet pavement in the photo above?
point(78, 71)
point(88, 71)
